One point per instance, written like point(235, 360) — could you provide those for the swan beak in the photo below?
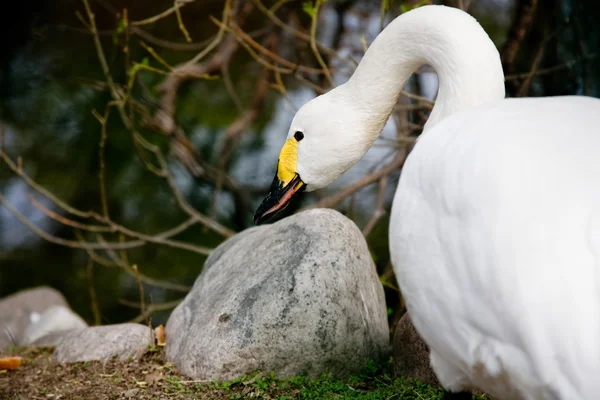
point(279, 197)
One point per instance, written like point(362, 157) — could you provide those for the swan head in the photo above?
point(328, 135)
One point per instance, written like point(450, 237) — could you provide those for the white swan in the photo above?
point(495, 225)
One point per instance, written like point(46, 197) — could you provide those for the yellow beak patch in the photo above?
point(288, 159)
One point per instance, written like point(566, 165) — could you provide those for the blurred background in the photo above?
point(135, 136)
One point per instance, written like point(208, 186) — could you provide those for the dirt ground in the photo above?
point(151, 377)
point(148, 378)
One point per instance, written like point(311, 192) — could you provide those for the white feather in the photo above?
point(495, 240)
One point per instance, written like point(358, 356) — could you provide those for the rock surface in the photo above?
point(48, 327)
point(411, 354)
point(299, 296)
point(104, 342)
point(16, 312)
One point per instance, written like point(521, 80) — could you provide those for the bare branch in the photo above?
point(64, 242)
point(92, 292)
point(379, 208)
point(335, 199)
point(349, 60)
point(175, 9)
point(313, 41)
point(66, 221)
point(21, 173)
point(524, 14)
point(181, 24)
point(140, 287)
point(150, 309)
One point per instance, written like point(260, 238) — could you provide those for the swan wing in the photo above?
point(495, 240)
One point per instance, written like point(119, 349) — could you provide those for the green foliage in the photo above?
point(121, 25)
point(309, 8)
point(407, 7)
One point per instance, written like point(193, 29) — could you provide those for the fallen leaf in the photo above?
point(159, 331)
point(10, 363)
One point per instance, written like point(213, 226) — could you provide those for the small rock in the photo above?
point(17, 309)
point(300, 296)
point(104, 342)
point(153, 377)
point(51, 325)
point(411, 354)
point(130, 393)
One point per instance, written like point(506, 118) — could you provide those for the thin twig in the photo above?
point(21, 173)
point(67, 221)
point(101, 57)
point(141, 288)
point(144, 278)
point(524, 89)
point(349, 60)
point(92, 291)
point(150, 309)
point(183, 204)
point(379, 208)
point(426, 102)
point(224, 18)
point(545, 71)
point(156, 56)
point(230, 88)
point(524, 14)
point(162, 239)
point(180, 23)
point(275, 57)
point(252, 53)
point(313, 41)
point(335, 199)
point(64, 242)
point(176, 7)
point(101, 166)
point(166, 44)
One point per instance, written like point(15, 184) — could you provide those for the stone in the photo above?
point(300, 296)
point(47, 328)
point(411, 354)
point(17, 309)
point(102, 343)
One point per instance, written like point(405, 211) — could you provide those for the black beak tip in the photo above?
point(269, 208)
point(260, 216)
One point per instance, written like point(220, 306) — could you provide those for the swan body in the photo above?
point(495, 240)
point(495, 225)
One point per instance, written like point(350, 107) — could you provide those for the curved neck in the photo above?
point(449, 40)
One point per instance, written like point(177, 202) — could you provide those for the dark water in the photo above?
point(50, 81)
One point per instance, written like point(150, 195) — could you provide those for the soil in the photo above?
point(151, 377)
point(147, 378)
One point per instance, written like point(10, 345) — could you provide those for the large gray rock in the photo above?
point(299, 296)
point(18, 310)
point(411, 354)
point(122, 341)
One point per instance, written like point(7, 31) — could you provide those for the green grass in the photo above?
point(151, 377)
point(375, 383)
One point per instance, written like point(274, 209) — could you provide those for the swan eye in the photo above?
point(298, 136)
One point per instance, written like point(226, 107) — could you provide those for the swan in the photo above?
point(495, 223)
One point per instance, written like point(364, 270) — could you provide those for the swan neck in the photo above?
point(449, 40)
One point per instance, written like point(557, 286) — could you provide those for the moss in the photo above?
point(152, 377)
